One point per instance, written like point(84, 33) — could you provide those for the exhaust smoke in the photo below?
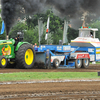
point(72, 9)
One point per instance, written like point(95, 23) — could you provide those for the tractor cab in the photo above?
point(86, 38)
point(19, 37)
point(87, 32)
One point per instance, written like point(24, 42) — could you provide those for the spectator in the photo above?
point(91, 34)
point(35, 47)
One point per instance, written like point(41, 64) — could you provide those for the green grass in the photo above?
point(96, 63)
point(47, 75)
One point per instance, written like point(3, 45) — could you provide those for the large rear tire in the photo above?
point(25, 56)
point(3, 62)
point(85, 63)
point(78, 63)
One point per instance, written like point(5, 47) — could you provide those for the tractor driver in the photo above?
point(17, 39)
point(91, 34)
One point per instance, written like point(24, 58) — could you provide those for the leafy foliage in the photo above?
point(55, 29)
point(96, 24)
point(30, 29)
point(31, 35)
point(72, 34)
point(19, 27)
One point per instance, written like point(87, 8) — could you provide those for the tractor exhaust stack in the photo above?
point(7, 37)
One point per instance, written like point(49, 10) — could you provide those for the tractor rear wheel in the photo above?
point(3, 62)
point(25, 56)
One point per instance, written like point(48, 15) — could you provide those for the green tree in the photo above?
point(19, 27)
point(32, 36)
point(30, 29)
point(72, 34)
point(58, 35)
point(96, 24)
point(56, 25)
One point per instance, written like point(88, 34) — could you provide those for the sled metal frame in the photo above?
point(59, 50)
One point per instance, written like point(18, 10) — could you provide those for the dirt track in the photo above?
point(51, 91)
point(92, 68)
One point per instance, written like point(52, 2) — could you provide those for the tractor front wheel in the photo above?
point(25, 56)
point(3, 62)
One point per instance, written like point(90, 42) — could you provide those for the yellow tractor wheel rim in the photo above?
point(3, 61)
point(29, 56)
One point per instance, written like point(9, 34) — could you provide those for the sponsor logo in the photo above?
point(6, 50)
point(97, 50)
point(82, 56)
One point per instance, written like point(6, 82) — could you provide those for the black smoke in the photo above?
point(13, 9)
point(8, 13)
point(73, 9)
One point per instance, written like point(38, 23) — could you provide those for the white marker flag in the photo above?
point(47, 30)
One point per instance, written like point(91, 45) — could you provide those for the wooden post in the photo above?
point(98, 73)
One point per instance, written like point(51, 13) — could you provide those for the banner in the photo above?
point(3, 28)
point(40, 24)
point(47, 30)
point(65, 32)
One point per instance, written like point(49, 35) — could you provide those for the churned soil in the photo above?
point(51, 91)
point(73, 90)
point(92, 68)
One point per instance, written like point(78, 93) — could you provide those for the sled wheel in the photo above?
point(56, 63)
point(78, 63)
point(3, 62)
point(85, 63)
point(25, 56)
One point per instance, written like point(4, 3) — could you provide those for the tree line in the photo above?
point(29, 26)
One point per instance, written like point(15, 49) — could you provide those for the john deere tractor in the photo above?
point(22, 55)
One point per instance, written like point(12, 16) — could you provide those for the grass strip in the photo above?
point(98, 63)
point(47, 75)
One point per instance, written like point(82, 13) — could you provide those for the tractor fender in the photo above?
point(12, 40)
point(19, 44)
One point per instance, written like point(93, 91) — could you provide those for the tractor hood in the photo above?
point(6, 48)
point(5, 42)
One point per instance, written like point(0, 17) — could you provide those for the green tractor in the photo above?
point(22, 55)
